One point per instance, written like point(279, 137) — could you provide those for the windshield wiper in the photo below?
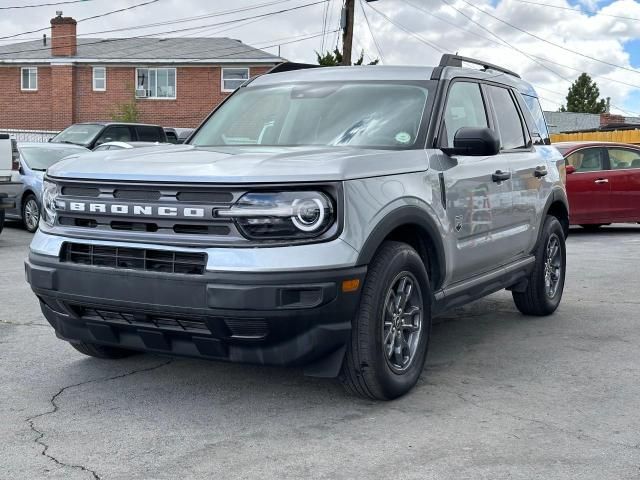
point(68, 142)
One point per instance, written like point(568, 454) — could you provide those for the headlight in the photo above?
point(49, 198)
point(278, 215)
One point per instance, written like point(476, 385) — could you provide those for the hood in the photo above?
point(237, 164)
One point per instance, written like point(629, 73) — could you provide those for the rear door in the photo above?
point(517, 148)
point(624, 182)
point(589, 186)
point(478, 208)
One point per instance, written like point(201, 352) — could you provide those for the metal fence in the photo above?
point(38, 136)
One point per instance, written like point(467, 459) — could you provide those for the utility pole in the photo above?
point(348, 14)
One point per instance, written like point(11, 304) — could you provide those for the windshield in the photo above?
point(383, 115)
point(81, 134)
point(42, 157)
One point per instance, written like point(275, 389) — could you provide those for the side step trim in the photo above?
point(481, 285)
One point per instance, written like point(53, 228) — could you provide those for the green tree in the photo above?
point(584, 97)
point(333, 59)
point(126, 111)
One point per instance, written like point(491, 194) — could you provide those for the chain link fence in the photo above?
point(38, 136)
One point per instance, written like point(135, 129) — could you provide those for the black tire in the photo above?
point(367, 370)
point(102, 351)
point(592, 227)
point(30, 202)
point(538, 299)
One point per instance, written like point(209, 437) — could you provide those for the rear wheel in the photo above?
point(30, 213)
point(391, 330)
point(546, 282)
point(102, 351)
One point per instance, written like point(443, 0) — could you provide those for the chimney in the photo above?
point(63, 36)
point(608, 120)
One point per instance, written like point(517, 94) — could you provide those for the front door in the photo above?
point(589, 187)
point(479, 206)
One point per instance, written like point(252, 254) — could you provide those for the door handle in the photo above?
point(540, 171)
point(601, 180)
point(500, 176)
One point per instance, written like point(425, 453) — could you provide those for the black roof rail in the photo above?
point(290, 66)
point(449, 60)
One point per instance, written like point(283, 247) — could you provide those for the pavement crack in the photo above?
point(40, 435)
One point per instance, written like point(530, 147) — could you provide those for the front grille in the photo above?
point(159, 213)
point(161, 322)
point(135, 258)
point(247, 328)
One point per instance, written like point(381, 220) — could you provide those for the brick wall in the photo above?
point(67, 96)
point(25, 110)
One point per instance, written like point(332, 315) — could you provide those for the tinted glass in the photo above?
point(80, 134)
point(538, 117)
point(622, 158)
point(115, 134)
point(465, 108)
point(508, 118)
point(587, 160)
point(327, 114)
point(42, 157)
point(150, 134)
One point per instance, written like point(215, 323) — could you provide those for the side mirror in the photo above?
point(476, 142)
point(570, 169)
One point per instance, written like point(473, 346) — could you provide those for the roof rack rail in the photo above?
point(449, 60)
point(290, 66)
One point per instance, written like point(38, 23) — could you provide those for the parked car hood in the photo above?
point(239, 164)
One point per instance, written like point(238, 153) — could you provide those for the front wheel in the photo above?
point(391, 331)
point(30, 213)
point(546, 282)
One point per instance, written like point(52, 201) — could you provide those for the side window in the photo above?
point(621, 158)
point(587, 160)
point(465, 108)
point(509, 120)
point(149, 134)
point(115, 134)
point(538, 117)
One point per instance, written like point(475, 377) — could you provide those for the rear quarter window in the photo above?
point(151, 134)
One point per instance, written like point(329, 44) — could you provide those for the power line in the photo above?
point(324, 24)
point(373, 37)
point(433, 45)
point(86, 18)
point(227, 22)
point(576, 10)
point(575, 52)
point(15, 7)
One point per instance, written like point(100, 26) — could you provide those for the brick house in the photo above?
point(172, 81)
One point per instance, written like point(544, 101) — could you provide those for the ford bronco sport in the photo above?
point(319, 217)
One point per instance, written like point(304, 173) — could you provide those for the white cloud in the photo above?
point(596, 35)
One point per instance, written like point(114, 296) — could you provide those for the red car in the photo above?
point(603, 182)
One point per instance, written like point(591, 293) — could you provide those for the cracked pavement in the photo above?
point(502, 396)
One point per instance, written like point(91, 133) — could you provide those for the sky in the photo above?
point(548, 42)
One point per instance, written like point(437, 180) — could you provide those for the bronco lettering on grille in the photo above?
point(133, 210)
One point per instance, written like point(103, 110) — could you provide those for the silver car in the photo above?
point(319, 217)
point(35, 158)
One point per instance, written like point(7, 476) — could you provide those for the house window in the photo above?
point(232, 78)
point(156, 83)
point(29, 78)
point(99, 79)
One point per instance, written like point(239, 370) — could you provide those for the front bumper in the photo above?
point(284, 318)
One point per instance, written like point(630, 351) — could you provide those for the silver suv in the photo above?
point(319, 217)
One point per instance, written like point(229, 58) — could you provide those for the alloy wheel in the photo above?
point(552, 266)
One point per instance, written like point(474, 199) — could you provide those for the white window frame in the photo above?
point(232, 68)
point(29, 88)
point(151, 97)
point(104, 79)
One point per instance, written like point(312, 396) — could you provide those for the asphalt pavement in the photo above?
point(502, 396)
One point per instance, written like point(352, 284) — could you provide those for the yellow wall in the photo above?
point(619, 136)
